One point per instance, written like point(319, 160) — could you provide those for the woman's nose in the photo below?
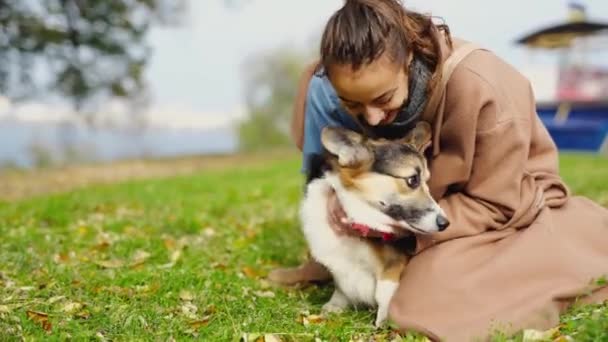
point(373, 115)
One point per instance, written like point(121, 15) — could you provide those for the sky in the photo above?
point(195, 74)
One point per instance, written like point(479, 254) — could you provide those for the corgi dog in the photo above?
point(380, 184)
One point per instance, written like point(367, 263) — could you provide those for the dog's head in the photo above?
point(388, 176)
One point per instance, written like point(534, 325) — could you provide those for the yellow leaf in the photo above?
point(40, 318)
point(199, 323)
point(531, 335)
point(186, 295)
point(209, 232)
point(271, 338)
point(140, 257)
point(71, 307)
point(265, 294)
point(249, 272)
point(114, 263)
point(83, 314)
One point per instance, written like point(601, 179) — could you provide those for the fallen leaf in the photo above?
point(71, 307)
point(139, 257)
point(169, 243)
point(536, 335)
point(311, 319)
point(40, 318)
point(113, 263)
point(55, 299)
point(83, 314)
point(102, 246)
point(265, 294)
point(189, 310)
point(271, 338)
point(61, 258)
point(173, 258)
point(82, 230)
point(218, 265)
point(249, 272)
point(199, 323)
point(186, 295)
point(100, 336)
point(4, 309)
point(209, 232)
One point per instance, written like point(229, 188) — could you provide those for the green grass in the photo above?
point(185, 257)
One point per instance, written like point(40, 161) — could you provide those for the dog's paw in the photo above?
point(379, 322)
point(330, 307)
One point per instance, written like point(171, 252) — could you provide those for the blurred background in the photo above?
point(87, 81)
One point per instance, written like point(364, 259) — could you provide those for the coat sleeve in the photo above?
point(299, 105)
point(484, 148)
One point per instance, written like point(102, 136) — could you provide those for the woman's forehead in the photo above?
point(367, 82)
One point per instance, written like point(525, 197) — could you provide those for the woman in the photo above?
point(519, 249)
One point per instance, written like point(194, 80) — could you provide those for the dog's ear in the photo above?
point(419, 136)
point(348, 146)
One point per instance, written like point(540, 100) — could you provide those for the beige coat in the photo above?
point(519, 249)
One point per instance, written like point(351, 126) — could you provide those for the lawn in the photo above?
point(185, 257)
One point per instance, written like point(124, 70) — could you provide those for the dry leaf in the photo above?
point(83, 314)
point(199, 323)
point(82, 230)
point(4, 309)
point(55, 299)
point(249, 272)
point(189, 310)
point(100, 336)
point(265, 294)
point(61, 258)
point(186, 296)
point(101, 246)
point(173, 257)
point(169, 243)
point(40, 318)
point(71, 307)
point(218, 265)
point(209, 232)
point(535, 335)
point(113, 263)
point(139, 257)
point(312, 319)
point(271, 338)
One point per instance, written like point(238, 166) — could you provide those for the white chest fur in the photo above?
point(351, 261)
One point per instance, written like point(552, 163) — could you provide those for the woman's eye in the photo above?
point(413, 181)
point(384, 101)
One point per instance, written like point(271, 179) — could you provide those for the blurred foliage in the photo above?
point(85, 50)
point(271, 81)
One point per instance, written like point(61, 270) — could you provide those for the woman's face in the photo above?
point(377, 90)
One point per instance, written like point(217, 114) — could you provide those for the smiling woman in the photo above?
point(493, 166)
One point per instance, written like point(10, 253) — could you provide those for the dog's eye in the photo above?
point(413, 181)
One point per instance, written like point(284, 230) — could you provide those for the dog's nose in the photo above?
point(442, 222)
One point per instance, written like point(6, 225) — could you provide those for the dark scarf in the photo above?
point(419, 75)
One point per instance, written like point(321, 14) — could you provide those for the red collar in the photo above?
point(365, 229)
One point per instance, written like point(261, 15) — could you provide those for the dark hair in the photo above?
point(362, 30)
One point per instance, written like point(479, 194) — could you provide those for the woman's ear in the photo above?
point(348, 146)
point(419, 136)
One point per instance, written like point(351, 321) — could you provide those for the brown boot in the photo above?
point(308, 272)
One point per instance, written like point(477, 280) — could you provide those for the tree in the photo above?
point(271, 81)
point(92, 49)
